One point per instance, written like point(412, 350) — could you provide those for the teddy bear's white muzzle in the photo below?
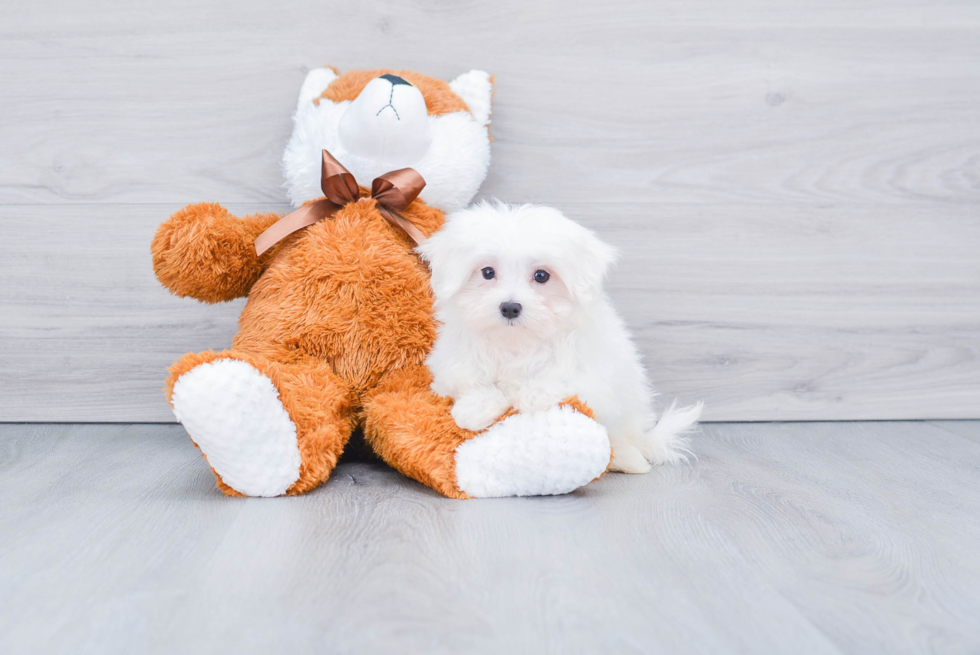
point(388, 123)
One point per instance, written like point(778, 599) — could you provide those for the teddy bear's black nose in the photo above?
point(395, 80)
point(510, 309)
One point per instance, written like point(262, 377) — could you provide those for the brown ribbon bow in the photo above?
point(393, 192)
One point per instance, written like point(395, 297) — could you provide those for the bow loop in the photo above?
point(397, 189)
point(336, 181)
point(393, 192)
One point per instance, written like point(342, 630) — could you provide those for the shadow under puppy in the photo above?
point(525, 323)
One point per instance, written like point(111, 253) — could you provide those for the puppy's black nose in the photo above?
point(510, 309)
point(395, 80)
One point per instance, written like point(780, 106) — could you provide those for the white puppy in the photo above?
point(525, 323)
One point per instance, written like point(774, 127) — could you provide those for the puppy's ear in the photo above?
point(584, 267)
point(449, 261)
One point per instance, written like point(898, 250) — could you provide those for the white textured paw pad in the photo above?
point(537, 454)
point(233, 413)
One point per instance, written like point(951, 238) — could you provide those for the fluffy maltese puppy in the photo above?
point(525, 323)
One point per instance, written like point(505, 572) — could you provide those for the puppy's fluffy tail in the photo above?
point(669, 438)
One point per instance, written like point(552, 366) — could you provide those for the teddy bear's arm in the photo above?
point(206, 253)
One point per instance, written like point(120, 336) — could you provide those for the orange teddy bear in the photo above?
point(339, 317)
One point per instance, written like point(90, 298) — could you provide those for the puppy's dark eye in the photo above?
point(488, 273)
point(541, 276)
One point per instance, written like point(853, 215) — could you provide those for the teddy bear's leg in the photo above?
point(266, 428)
point(413, 432)
point(542, 453)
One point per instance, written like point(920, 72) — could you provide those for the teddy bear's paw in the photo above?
point(537, 454)
point(234, 415)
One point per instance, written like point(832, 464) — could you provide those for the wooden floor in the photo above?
point(783, 538)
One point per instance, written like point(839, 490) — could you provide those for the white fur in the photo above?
point(450, 151)
point(234, 415)
point(568, 339)
point(476, 89)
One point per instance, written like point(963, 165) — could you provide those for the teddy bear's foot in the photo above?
point(536, 454)
point(234, 415)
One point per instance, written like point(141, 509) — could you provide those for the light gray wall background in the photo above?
point(795, 186)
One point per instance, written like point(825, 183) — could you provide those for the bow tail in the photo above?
point(306, 215)
point(400, 221)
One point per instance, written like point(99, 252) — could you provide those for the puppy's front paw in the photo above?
point(540, 398)
point(476, 410)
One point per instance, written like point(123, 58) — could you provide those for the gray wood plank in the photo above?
point(807, 538)
point(967, 429)
point(653, 102)
point(805, 317)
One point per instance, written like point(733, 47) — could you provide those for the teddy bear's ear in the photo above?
point(316, 82)
point(476, 90)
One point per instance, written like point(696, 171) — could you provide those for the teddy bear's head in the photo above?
point(377, 121)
